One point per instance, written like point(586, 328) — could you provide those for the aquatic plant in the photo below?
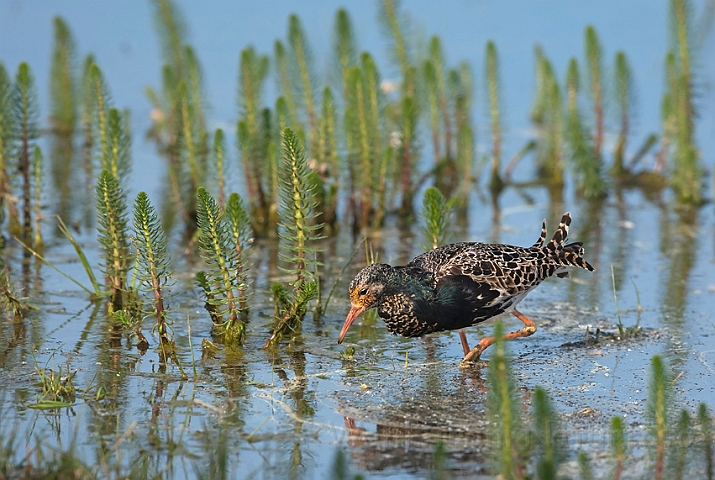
point(492, 79)
point(26, 113)
point(86, 97)
point(594, 68)
point(345, 49)
point(301, 58)
point(253, 69)
point(624, 98)
point(584, 465)
point(219, 166)
point(219, 280)
point(687, 168)
point(10, 299)
point(179, 121)
point(364, 141)
point(37, 160)
point(297, 234)
point(706, 439)
point(508, 441)
point(460, 85)
point(435, 216)
point(240, 225)
point(619, 443)
point(63, 91)
point(547, 436)
point(7, 127)
point(153, 261)
point(658, 401)
point(113, 237)
point(549, 119)
point(586, 161)
point(117, 156)
point(328, 162)
point(681, 442)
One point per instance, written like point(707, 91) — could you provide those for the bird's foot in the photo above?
point(472, 358)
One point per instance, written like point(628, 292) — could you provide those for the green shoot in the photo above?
point(302, 57)
point(297, 233)
point(113, 236)
point(707, 439)
point(7, 127)
point(240, 225)
point(587, 163)
point(658, 399)
point(26, 120)
point(344, 47)
point(492, 71)
point(219, 281)
point(153, 261)
point(37, 160)
point(624, 98)
point(584, 464)
point(618, 446)
point(63, 79)
point(682, 438)
point(118, 158)
point(504, 417)
point(546, 430)
point(435, 215)
point(220, 166)
point(594, 62)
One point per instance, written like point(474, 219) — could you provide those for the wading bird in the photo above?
point(462, 284)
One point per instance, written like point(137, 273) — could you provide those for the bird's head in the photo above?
point(365, 292)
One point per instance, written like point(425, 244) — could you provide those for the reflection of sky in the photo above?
point(121, 34)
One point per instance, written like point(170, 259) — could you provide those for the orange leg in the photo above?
point(528, 330)
point(465, 343)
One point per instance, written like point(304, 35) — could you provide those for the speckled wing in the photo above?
point(511, 271)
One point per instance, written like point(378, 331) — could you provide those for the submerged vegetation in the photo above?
point(319, 161)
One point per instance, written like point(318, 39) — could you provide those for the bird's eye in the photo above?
point(363, 291)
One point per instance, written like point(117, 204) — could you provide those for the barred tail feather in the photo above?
point(568, 254)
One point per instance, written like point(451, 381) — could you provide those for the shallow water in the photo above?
point(285, 413)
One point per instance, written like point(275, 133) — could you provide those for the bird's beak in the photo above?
point(352, 315)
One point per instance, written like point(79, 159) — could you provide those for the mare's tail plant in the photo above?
point(253, 69)
point(7, 127)
point(587, 164)
point(63, 93)
point(658, 398)
point(687, 167)
point(508, 439)
point(706, 437)
point(26, 120)
point(548, 440)
point(240, 225)
point(618, 446)
point(435, 215)
point(624, 99)
point(219, 281)
point(219, 166)
point(492, 71)
point(153, 262)
point(549, 119)
point(594, 62)
point(298, 231)
point(113, 237)
point(37, 159)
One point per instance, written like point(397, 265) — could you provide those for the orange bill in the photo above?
point(352, 315)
